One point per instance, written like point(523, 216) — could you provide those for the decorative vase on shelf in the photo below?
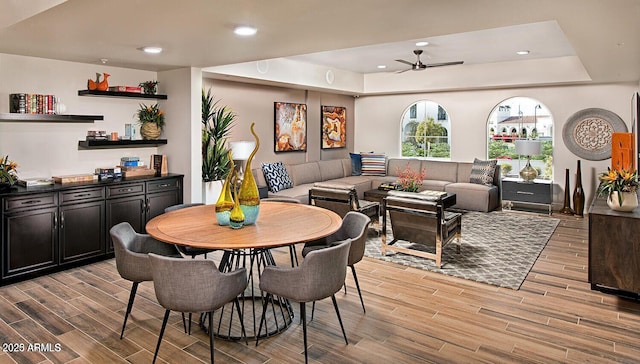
point(578, 194)
point(150, 131)
point(629, 201)
point(236, 218)
point(225, 203)
point(566, 208)
point(249, 197)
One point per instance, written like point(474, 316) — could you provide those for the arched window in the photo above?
point(535, 122)
point(426, 131)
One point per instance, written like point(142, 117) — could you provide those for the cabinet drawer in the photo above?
point(535, 188)
point(163, 185)
point(526, 195)
point(125, 190)
point(85, 194)
point(12, 204)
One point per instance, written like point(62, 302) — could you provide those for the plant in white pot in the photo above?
point(216, 125)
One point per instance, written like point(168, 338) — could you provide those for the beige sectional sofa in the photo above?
point(440, 176)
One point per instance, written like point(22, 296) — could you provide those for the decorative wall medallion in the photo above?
point(588, 132)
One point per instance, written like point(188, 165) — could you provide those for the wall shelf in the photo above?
point(120, 94)
point(50, 118)
point(107, 144)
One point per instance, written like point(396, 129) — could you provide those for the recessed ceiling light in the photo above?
point(382, 66)
point(422, 44)
point(522, 53)
point(245, 30)
point(152, 50)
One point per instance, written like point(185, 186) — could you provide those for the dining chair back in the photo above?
point(194, 286)
point(320, 275)
point(131, 250)
point(354, 226)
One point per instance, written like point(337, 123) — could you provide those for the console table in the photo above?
point(614, 249)
point(538, 192)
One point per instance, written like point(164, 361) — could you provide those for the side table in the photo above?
point(538, 192)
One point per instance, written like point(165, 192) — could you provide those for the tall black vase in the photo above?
point(566, 208)
point(578, 194)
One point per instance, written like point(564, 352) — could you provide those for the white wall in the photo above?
point(378, 121)
point(47, 149)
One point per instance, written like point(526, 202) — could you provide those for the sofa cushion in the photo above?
point(395, 166)
point(374, 164)
point(440, 170)
point(475, 197)
point(276, 176)
point(331, 169)
point(356, 164)
point(304, 173)
point(482, 171)
point(299, 192)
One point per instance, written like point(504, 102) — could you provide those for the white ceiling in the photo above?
point(599, 37)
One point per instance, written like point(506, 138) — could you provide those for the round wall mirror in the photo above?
point(426, 131)
point(520, 118)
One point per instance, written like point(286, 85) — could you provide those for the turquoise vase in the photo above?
point(248, 196)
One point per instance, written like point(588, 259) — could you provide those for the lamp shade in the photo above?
point(528, 147)
point(242, 150)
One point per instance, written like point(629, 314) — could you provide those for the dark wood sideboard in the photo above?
point(614, 250)
point(50, 228)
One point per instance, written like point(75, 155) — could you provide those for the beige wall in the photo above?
point(254, 103)
point(378, 122)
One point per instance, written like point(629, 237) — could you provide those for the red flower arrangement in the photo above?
point(411, 180)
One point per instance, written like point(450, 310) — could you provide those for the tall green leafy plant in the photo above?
point(216, 125)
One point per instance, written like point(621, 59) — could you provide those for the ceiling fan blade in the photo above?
point(403, 71)
point(405, 62)
point(444, 64)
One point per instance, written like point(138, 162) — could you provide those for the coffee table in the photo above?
point(378, 195)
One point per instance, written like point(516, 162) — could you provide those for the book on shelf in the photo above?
point(33, 182)
point(24, 103)
point(133, 89)
point(74, 178)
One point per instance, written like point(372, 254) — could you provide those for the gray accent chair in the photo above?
point(195, 286)
point(132, 260)
point(320, 275)
point(354, 226)
point(187, 250)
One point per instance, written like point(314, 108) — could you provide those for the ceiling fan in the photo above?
point(419, 66)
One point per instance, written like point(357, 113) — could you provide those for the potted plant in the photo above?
point(216, 125)
point(149, 87)
point(8, 174)
point(151, 120)
point(411, 180)
point(620, 188)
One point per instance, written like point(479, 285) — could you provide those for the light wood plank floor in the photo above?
point(412, 316)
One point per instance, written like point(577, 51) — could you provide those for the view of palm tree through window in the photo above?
point(520, 118)
point(426, 131)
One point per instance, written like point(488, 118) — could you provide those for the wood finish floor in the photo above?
point(412, 316)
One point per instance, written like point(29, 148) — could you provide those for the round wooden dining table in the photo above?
point(279, 224)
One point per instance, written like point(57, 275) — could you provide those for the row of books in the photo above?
point(23, 103)
point(134, 89)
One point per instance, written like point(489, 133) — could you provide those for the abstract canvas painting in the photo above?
point(290, 127)
point(334, 127)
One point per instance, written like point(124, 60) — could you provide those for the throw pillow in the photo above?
point(276, 176)
point(482, 172)
point(356, 164)
point(374, 164)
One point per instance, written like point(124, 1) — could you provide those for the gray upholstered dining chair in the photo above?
point(320, 275)
point(187, 250)
point(292, 248)
point(354, 226)
point(132, 260)
point(195, 286)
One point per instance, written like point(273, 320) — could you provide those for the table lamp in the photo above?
point(240, 151)
point(528, 148)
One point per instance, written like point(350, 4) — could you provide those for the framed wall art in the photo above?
point(588, 132)
point(333, 127)
point(290, 127)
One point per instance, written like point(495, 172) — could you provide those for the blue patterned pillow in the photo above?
point(374, 164)
point(276, 176)
point(356, 164)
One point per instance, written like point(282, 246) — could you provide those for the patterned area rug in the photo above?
point(497, 248)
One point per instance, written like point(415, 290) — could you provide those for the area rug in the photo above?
point(497, 248)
